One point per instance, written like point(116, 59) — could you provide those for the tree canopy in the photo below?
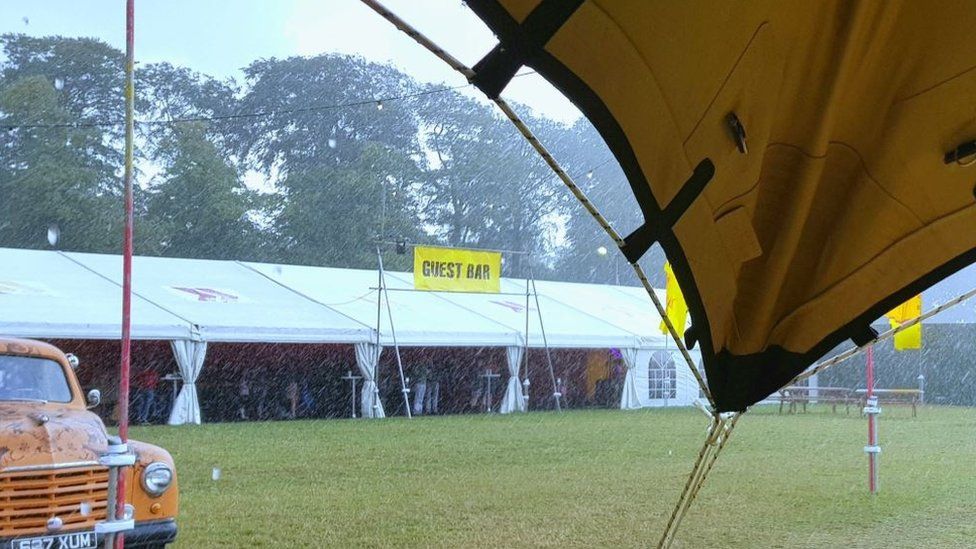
point(308, 160)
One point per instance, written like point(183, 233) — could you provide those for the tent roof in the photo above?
point(51, 294)
point(76, 295)
point(418, 319)
point(46, 294)
point(626, 307)
point(804, 165)
point(564, 326)
point(228, 301)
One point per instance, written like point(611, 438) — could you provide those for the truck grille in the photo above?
point(29, 498)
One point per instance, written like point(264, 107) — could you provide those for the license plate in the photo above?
point(74, 540)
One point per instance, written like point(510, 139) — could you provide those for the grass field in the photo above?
point(576, 479)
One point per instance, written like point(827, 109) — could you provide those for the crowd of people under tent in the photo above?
point(232, 388)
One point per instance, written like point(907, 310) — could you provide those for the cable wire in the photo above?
point(244, 115)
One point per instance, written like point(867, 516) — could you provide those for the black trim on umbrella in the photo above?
point(863, 335)
point(638, 242)
point(520, 43)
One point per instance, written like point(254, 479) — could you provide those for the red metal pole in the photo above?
point(870, 355)
point(872, 429)
point(126, 253)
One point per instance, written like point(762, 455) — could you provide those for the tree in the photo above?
point(352, 152)
point(86, 73)
point(201, 208)
point(197, 204)
point(167, 94)
point(487, 187)
point(53, 175)
point(332, 215)
point(589, 161)
point(313, 113)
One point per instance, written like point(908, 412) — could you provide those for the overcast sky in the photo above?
point(219, 37)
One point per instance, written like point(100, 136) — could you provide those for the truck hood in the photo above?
point(48, 434)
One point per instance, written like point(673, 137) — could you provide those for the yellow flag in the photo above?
point(676, 308)
point(912, 337)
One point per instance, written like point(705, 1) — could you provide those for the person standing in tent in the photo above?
point(146, 382)
point(477, 382)
point(292, 394)
point(308, 405)
point(432, 400)
point(244, 396)
point(420, 389)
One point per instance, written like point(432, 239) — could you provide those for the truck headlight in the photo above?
point(156, 478)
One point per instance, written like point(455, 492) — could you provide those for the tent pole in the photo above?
point(526, 383)
point(545, 343)
point(396, 347)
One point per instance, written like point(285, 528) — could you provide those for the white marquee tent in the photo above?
point(46, 294)
point(49, 294)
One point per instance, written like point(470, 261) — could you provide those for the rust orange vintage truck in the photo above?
point(53, 489)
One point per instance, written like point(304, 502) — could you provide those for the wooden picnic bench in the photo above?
point(795, 396)
point(906, 397)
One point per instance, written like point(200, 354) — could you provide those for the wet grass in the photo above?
point(576, 479)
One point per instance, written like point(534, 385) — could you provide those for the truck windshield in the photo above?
point(27, 378)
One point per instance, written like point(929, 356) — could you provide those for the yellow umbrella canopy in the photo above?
point(804, 164)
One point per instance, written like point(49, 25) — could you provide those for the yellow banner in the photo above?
point(912, 337)
point(454, 270)
point(676, 308)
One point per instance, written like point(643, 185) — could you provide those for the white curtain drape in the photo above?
point(189, 358)
point(635, 393)
point(514, 400)
point(368, 359)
